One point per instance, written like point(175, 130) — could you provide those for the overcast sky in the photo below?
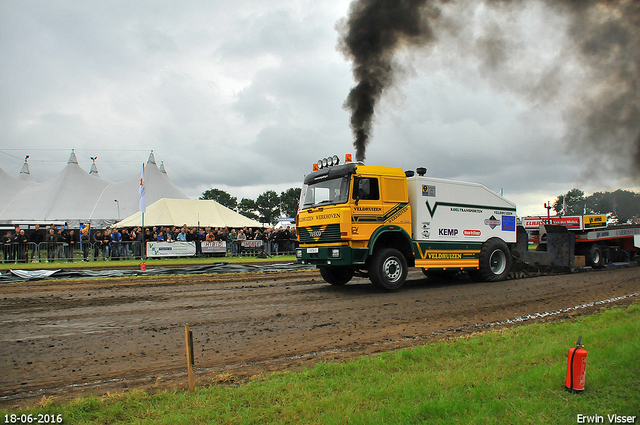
point(244, 96)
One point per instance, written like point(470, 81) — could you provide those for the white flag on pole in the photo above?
point(143, 201)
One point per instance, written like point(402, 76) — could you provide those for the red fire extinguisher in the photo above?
point(143, 267)
point(576, 368)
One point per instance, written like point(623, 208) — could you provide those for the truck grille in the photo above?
point(315, 234)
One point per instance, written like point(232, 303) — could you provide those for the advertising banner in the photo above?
point(595, 221)
point(171, 249)
point(252, 244)
point(214, 247)
point(570, 222)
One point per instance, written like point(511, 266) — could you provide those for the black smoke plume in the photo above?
point(604, 119)
point(374, 30)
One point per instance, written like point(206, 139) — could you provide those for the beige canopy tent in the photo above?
point(193, 213)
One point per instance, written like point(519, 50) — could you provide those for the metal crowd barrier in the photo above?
point(97, 251)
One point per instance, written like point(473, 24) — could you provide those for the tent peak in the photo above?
point(73, 159)
point(25, 166)
point(162, 169)
point(25, 174)
point(94, 168)
point(152, 158)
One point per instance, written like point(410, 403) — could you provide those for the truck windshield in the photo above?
point(325, 192)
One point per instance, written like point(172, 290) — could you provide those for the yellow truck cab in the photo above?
point(377, 221)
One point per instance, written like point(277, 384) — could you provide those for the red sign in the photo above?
point(570, 222)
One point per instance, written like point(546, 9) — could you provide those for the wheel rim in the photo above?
point(497, 262)
point(596, 256)
point(392, 269)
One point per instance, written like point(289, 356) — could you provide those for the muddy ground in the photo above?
point(79, 337)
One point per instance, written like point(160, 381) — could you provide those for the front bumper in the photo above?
point(331, 255)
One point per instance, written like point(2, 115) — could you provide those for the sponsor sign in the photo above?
point(595, 221)
point(492, 222)
point(252, 244)
point(426, 230)
point(508, 223)
point(570, 222)
point(171, 249)
point(472, 233)
point(428, 190)
point(214, 247)
point(448, 232)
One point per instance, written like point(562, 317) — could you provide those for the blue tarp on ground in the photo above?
point(31, 275)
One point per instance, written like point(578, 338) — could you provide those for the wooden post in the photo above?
point(189, 341)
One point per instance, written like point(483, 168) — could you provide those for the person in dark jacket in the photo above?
point(96, 240)
point(51, 240)
point(62, 243)
point(22, 240)
point(6, 246)
point(72, 241)
point(36, 238)
point(85, 241)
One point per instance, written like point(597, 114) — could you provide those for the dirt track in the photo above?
point(75, 337)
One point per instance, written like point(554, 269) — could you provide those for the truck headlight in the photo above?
point(298, 253)
point(335, 253)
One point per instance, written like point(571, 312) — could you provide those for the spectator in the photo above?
point(36, 238)
point(52, 241)
point(182, 236)
point(85, 242)
point(126, 242)
point(241, 238)
point(96, 239)
point(6, 246)
point(71, 240)
point(106, 242)
point(62, 242)
point(233, 242)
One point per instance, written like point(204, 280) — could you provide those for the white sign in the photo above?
point(252, 244)
point(171, 249)
point(214, 247)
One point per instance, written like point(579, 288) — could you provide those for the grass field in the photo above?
point(508, 376)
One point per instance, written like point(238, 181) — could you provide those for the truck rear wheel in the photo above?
point(388, 269)
point(593, 257)
point(336, 275)
point(495, 261)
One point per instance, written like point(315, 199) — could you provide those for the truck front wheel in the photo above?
point(388, 269)
point(495, 261)
point(336, 275)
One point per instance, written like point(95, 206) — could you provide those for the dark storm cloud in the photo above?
point(602, 116)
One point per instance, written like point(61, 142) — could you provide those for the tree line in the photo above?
point(266, 208)
point(624, 205)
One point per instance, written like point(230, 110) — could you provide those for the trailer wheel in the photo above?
point(495, 261)
point(336, 275)
point(593, 257)
point(388, 269)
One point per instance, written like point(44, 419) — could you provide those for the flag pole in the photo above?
point(142, 206)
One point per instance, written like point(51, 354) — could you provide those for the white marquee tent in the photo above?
point(75, 196)
point(193, 213)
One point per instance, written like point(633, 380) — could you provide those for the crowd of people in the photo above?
point(63, 244)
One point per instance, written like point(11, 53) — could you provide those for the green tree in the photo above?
point(574, 201)
point(268, 205)
point(221, 197)
point(289, 200)
point(247, 207)
point(623, 204)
